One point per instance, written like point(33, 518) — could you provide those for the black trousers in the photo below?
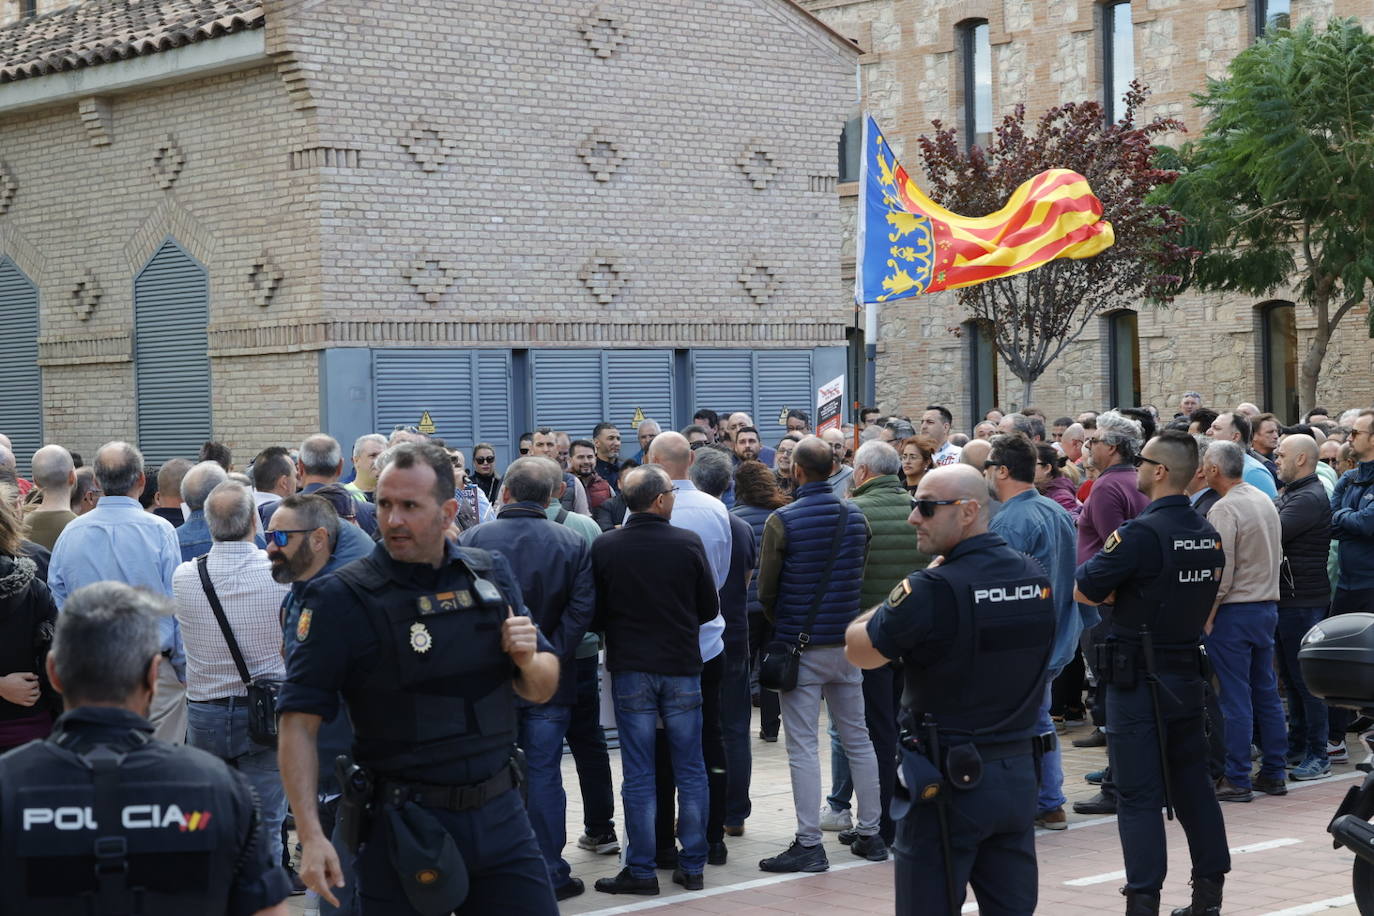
point(587, 741)
point(712, 752)
point(770, 708)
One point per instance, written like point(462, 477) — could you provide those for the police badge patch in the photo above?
point(898, 593)
point(1113, 541)
point(419, 638)
point(303, 625)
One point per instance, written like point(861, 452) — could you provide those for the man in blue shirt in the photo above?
point(1235, 427)
point(117, 541)
point(1038, 526)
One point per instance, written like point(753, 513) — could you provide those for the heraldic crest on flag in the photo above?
point(909, 245)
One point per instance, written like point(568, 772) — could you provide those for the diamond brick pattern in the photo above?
point(86, 296)
point(168, 161)
point(8, 187)
point(759, 164)
point(431, 277)
point(760, 281)
point(265, 279)
point(601, 154)
point(605, 276)
point(604, 32)
point(430, 147)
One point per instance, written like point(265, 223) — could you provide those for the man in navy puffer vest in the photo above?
point(795, 553)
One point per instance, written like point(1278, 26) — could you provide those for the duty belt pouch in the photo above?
point(1116, 664)
point(964, 766)
point(426, 859)
point(781, 662)
point(262, 693)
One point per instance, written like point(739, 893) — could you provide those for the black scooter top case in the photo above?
point(1337, 660)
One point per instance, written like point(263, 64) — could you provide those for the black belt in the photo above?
point(1001, 750)
point(221, 701)
point(449, 798)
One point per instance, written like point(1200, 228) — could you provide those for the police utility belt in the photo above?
point(450, 798)
point(1122, 664)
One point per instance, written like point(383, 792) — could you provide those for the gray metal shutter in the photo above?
point(465, 392)
point(640, 379)
point(21, 384)
point(171, 355)
point(723, 380)
point(783, 382)
point(568, 390)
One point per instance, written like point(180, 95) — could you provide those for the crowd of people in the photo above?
point(694, 568)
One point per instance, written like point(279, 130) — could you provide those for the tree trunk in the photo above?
point(1312, 367)
point(1027, 386)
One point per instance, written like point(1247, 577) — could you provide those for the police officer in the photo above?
point(974, 630)
point(423, 641)
point(1161, 570)
point(101, 817)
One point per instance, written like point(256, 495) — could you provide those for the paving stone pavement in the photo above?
point(1282, 860)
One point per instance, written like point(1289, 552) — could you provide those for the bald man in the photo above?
point(1304, 592)
point(55, 475)
point(841, 475)
point(935, 620)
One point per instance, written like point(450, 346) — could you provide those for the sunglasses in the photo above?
point(282, 535)
point(927, 507)
point(1330, 461)
point(1138, 460)
point(525, 451)
point(490, 459)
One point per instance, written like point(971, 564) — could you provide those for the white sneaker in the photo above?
point(1367, 739)
point(1337, 753)
point(835, 820)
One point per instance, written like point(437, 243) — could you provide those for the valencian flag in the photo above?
point(909, 245)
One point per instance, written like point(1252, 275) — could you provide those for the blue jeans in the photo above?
point(736, 713)
point(1241, 647)
point(542, 729)
point(1306, 713)
point(640, 699)
point(223, 731)
point(1051, 762)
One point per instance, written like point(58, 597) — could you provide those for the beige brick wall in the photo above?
point(1045, 54)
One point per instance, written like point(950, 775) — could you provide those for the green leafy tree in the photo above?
point(1033, 317)
point(1278, 191)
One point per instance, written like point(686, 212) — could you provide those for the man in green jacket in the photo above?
point(892, 556)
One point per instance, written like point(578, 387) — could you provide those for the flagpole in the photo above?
point(870, 308)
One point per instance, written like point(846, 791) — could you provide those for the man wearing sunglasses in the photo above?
point(975, 635)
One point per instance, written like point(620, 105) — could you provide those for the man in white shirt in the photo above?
point(241, 577)
point(936, 423)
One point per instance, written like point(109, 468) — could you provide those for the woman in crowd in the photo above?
point(27, 617)
point(1051, 480)
point(757, 494)
point(484, 470)
point(918, 456)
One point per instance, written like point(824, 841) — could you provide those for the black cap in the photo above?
point(427, 861)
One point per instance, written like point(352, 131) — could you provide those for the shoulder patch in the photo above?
point(899, 593)
point(303, 625)
point(1113, 541)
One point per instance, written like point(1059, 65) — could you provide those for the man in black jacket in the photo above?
point(654, 590)
point(1304, 592)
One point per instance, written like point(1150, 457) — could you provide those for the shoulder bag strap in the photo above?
point(215, 606)
point(804, 636)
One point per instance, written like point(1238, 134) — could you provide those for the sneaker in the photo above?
point(1054, 819)
point(1367, 766)
point(603, 845)
point(1336, 753)
point(1075, 719)
point(1229, 792)
point(1095, 777)
point(690, 882)
point(847, 837)
point(627, 883)
point(1098, 804)
point(573, 888)
point(1270, 785)
point(833, 820)
point(871, 848)
point(1095, 738)
point(716, 854)
point(797, 858)
point(767, 738)
point(1311, 768)
point(1296, 758)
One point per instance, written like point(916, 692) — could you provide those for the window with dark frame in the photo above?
point(1123, 358)
point(1279, 359)
point(976, 59)
point(28, 8)
point(851, 149)
point(1272, 14)
point(1118, 57)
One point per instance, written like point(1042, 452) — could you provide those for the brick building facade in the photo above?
point(1228, 347)
point(250, 220)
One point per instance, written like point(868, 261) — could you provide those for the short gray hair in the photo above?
point(869, 433)
point(320, 455)
point(105, 637)
point(230, 511)
point(358, 443)
point(1031, 427)
point(118, 477)
point(711, 471)
point(199, 482)
point(52, 467)
point(1117, 429)
point(7, 459)
point(1228, 457)
point(532, 479)
point(900, 429)
point(879, 457)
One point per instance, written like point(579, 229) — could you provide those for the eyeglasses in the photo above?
point(487, 460)
point(281, 535)
point(668, 491)
point(991, 464)
point(1361, 432)
point(1138, 460)
point(1330, 461)
point(456, 461)
point(927, 507)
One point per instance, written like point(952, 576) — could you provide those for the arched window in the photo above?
point(21, 406)
point(975, 51)
point(171, 354)
point(1123, 358)
point(1118, 57)
point(982, 369)
point(1279, 359)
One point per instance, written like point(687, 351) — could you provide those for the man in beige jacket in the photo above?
point(1240, 633)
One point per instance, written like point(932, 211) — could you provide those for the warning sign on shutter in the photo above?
point(426, 424)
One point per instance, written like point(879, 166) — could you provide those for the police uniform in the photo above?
point(975, 634)
point(1165, 567)
point(416, 654)
point(101, 818)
